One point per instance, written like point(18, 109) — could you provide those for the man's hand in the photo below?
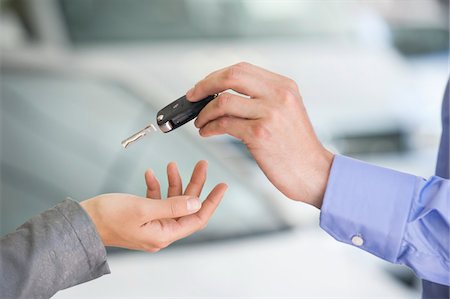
point(150, 224)
point(272, 123)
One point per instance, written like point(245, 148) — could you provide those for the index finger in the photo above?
point(242, 77)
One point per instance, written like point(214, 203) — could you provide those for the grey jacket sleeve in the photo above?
point(55, 250)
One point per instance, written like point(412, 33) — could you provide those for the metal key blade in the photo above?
point(135, 137)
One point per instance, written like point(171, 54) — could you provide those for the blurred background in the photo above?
point(77, 77)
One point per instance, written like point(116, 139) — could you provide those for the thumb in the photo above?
point(173, 207)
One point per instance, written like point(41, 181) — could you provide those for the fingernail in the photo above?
point(189, 93)
point(193, 204)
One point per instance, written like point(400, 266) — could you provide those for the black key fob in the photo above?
point(180, 112)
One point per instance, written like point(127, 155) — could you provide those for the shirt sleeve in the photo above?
point(398, 217)
point(52, 251)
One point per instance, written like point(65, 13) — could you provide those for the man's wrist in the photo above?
point(321, 172)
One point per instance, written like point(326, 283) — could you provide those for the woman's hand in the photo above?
point(150, 224)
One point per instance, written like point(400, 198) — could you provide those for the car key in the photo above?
point(180, 112)
point(172, 116)
point(135, 137)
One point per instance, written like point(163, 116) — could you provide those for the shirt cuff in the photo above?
point(87, 235)
point(367, 206)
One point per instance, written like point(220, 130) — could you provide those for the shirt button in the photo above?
point(357, 240)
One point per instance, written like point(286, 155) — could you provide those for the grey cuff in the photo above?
point(54, 250)
point(87, 235)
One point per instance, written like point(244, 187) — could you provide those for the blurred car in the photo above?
point(61, 133)
point(366, 99)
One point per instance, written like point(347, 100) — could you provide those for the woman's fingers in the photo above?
point(198, 178)
point(178, 217)
point(175, 183)
point(172, 207)
point(192, 223)
point(153, 186)
point(210, 204)
point(194, 187)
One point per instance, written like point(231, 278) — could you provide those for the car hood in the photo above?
point(298, 263)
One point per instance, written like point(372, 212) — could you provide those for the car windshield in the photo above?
point(142, 20)
point(60, 137)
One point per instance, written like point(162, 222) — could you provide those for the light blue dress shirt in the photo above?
point(399, 217)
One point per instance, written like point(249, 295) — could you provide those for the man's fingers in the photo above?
point(198, 179)
point(236, 127)
point(227, 104)
point(153, 187)
point(192, 223)
point(175, 183)
point(239, 77)
point(172, 207)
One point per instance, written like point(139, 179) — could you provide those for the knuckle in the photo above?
point(151, 249)
point(260, 131)
point(162, 243)
point(222, 123)
point(202, 224)
point(173, 208)
point(199, 86)
point(243, 65)
point(222, 101)
point(232, 75)
point(272, 116)
point(286, 96)
point(291, 84)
